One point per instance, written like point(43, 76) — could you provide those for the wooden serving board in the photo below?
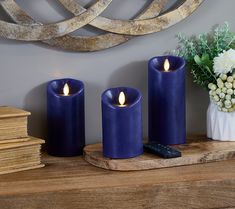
point(192, 153)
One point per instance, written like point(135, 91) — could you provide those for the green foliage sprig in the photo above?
point(200, 51)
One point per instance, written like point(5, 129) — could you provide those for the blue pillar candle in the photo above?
point(166, 91)
point(65, 115)
point(122, 123)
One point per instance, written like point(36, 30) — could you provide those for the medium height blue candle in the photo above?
point(65, 115)
point(166, 89)
point(122, 123)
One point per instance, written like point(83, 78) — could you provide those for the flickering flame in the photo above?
point(122, 99)
point(166, 65)
point(66, 90)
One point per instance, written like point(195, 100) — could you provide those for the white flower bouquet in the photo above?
point(223, 92)
point(211, 59)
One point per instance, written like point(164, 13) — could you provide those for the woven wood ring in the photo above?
point(57, 35)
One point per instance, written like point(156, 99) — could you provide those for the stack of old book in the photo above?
point(18, 151)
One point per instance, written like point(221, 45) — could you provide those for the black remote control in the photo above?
point(161, 150)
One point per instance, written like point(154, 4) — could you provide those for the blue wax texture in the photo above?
point(122, 126)
point(166, 91)
point(65, 118)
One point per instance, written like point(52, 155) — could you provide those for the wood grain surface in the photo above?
point(12, 112)
point(204, 151)
point(73, 183)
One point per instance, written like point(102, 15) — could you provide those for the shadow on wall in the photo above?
point(93, 119)
point(197, 101)
point(60, 9)
point(35, 102)
point(134, 75)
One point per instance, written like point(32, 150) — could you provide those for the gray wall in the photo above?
point(26, 67)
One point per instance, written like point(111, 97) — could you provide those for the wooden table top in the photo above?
point(73, 183)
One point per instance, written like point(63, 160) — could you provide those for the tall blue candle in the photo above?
point(166, 91)
point(65, 115)
point(122, 123)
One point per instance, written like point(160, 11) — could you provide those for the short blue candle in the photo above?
point(65, 115)
point(122, 124)
point(166, 91)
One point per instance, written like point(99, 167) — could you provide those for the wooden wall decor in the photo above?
point(57, 35)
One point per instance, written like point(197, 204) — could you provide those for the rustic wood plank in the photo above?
point(192, 153)
point(73, 183)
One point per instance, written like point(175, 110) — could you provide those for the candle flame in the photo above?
point(166, 65)
point(66, 89)
point(122, 98)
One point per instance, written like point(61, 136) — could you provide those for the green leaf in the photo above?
point(209, 70)
point(197, 59)
point(206, 61)
point(205, 58)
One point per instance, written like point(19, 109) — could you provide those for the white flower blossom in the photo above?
point(224, 90)
point(228, 97)
point(222, 95)
point(230, 91)
point(216, 98)
point(220, 104)
point(225, 62)
point(218, 91)
point(223, 77)
point(230, 79)
point(228, 85)
point(227, 102)
point(220, 85)
point(224, 109)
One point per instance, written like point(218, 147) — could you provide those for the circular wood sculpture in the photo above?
point(118, 31)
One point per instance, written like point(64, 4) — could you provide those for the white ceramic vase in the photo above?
point(220, 125)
